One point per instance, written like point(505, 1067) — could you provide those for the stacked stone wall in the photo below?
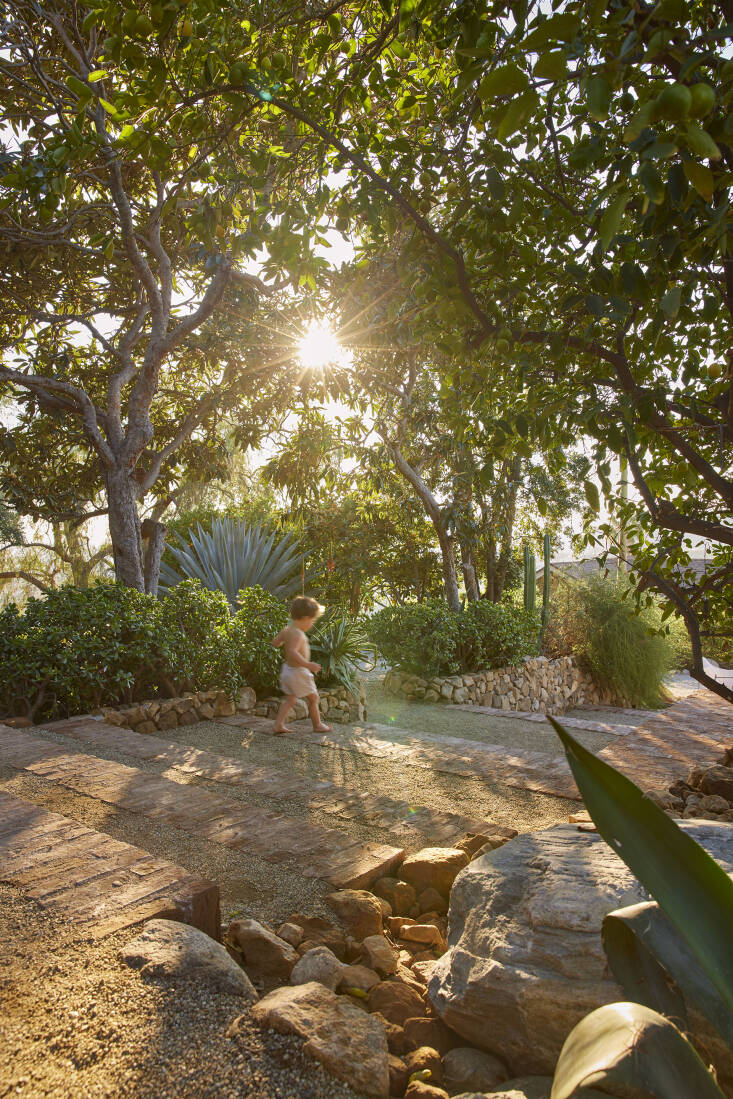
point(336, 703)
point(538, 685)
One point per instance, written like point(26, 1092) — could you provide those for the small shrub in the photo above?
point(417, 637)
point(339, 643)
point(495, 635)
point(200, 650)
point(260, 616)
point(597, 624)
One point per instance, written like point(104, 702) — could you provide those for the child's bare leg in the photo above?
point(315, 715)
point(285, 707)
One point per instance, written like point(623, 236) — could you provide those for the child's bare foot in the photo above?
point(321, 728)
point(279, 732)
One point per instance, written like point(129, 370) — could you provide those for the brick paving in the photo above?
point(427, 825)
point(318, 852)
point(92, 879)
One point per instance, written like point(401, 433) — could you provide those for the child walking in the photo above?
point(296, 677)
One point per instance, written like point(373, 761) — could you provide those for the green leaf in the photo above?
point(562, 27)
point(670, 303)
point(628, 1049)
point(520, 110)
point(609, 224)
point(651, 181)
point(98, 74)
point(701, 178)
point(598, 97)
point(691, 889)
point(551, 65)
point(591, 494)
point(701, 142)
point(506, 80)
point(655, 966)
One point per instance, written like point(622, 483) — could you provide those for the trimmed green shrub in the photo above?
point(200, 649)
point(260, 616)
point(429, 639)
point(339, 643)
point(596, 621)
point(496, 635)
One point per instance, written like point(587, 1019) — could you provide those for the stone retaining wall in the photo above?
point(337, 704)
point(537, 684)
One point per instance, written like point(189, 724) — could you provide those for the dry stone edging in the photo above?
point(525, 961)
point(537, 685)
point(336, 704)
point(176, 952)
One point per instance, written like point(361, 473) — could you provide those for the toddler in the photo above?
point(296, 677)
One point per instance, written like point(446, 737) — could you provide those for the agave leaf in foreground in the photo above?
point(655, 966)
point(691, 888)
point(631, 1052)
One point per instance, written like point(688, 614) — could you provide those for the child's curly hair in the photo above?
point(305, 607)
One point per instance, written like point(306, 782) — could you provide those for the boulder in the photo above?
point(434, 867)
point(175, 950)
point(291, 933)
point(348, 1042)
point(378, 954)
point(357, 976)
point(319, 964)
point(429, 1032)
point(359, 911)
point(717, 780)
point(261, 949)
point(425, 933)
point(714, 803)
point(467, 1069)
point(525, 961)
point(398, 1075)
point(423, 970)
point(320, 932)
point(400, 894)
point(420, 1089)
point(396, 1001)
point(430, 900)
point(396, 1040)
point(527, 1087)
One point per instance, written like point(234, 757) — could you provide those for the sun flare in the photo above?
point(319, 347)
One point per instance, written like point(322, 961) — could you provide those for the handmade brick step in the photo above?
point(341, 801)
point(95, 882)
point(318, 852)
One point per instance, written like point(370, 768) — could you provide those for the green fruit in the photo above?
point(367, 105)
point(265, 64)
point(627, 102)
point(279, 60)
point(186, 28)
point(129, 19)
point(157, 14)
point(143, 26)
point(237, 73)
point(502, 346)
point(452, 189)
point(505, 334)
point(703, 100)
point(674, 102)
point(715, 371)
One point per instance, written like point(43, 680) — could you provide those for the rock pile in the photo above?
point(536, 685)
point(355, 988)
point(336, 704)
point(706, 793)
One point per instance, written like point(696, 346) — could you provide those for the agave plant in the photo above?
point(341, 646)
point(233, 556)
point(672, 956)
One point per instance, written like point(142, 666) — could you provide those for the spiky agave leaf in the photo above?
point(232, 556)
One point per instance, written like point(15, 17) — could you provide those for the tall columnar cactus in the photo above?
point(530, 580)
point(546, 581)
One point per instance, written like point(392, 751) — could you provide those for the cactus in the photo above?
point(530, 580)
point(546, 581)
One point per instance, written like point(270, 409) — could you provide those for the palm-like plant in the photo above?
point(233, 556)
point(341, 646)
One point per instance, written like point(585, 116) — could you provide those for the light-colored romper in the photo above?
point(298, 681)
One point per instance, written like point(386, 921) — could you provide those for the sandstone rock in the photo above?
point(396, 1001)
point(525, 962)
point(434, 867)
point(349, 1043)
point(291, 933)
point(527, 1087)
point(418, 1089)
point(395, 1035)
point(714, 803)
point(224, 708)
point(378, 954)
point(400, 894)
point(717, 780)
point(386, 908)
point(430, 899)
point(467, 1069)
point(421, 1031)
point(320, 932)
point(261, 949)
point(425, 1059)
point(176, 950)
point(423, 970)
point(664, 799)
point(359, 910)
point(206, 711)
point(425, 933)
point(168, 720)
point(405, 975)
point(146, 727)
point(396, 923)
point(398, 1075)
point(358, 976)
point(319, 964)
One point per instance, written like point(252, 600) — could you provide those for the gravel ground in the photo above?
point(76, 1023)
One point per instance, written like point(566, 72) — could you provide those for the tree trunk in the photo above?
point(450, 578)
point(468, 567)
point(154, 534)
point(124, 528)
